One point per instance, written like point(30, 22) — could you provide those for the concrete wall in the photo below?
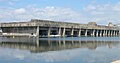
point(50, 28)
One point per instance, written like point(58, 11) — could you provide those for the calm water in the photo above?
point(59, 50)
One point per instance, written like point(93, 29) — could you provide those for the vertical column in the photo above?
point(100, 33)
point(72, 32)
point(97, 32)
point(111, 33)
point(79, 33)
point(114, 33)
point(37, 32)
point(63, 34)
point(49, 31)
point(86, 32)
point(37, 36)
point(59, 33)
point(93, 32)
point(119, 33)
point(104, 32)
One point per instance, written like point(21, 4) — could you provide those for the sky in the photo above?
point(77, 11)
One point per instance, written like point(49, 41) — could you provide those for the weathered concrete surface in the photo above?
point(37, 27)
point(46, 23)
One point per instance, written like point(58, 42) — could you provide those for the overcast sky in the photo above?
point(79, 11)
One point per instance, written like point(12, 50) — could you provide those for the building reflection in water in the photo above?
point(36, 45)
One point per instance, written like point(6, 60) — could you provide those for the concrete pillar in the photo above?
point(49, 31)
point(114, 33)
point(104, 32)
point(79, 33)
point(37, 36)
point(72, 32)
point(63, 34)
point(93, 32)
point(111, 33)
point(86, 32)
point(100, 33)
point(97, 32)
point(119, 33)
point(59, 32)
point(37, 32)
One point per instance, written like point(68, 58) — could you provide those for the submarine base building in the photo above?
point(45, 28)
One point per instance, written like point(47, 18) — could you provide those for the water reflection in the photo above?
point(35, 45)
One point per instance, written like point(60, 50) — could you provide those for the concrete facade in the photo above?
point(44, 28)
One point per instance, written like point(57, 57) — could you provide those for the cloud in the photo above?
point(20, 11)
point(103, 13)
point(89, 8)
point(10, 2)
point(49, 13)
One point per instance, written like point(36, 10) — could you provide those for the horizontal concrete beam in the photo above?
point(44, 23)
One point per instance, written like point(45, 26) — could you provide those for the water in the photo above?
point(59, 50)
